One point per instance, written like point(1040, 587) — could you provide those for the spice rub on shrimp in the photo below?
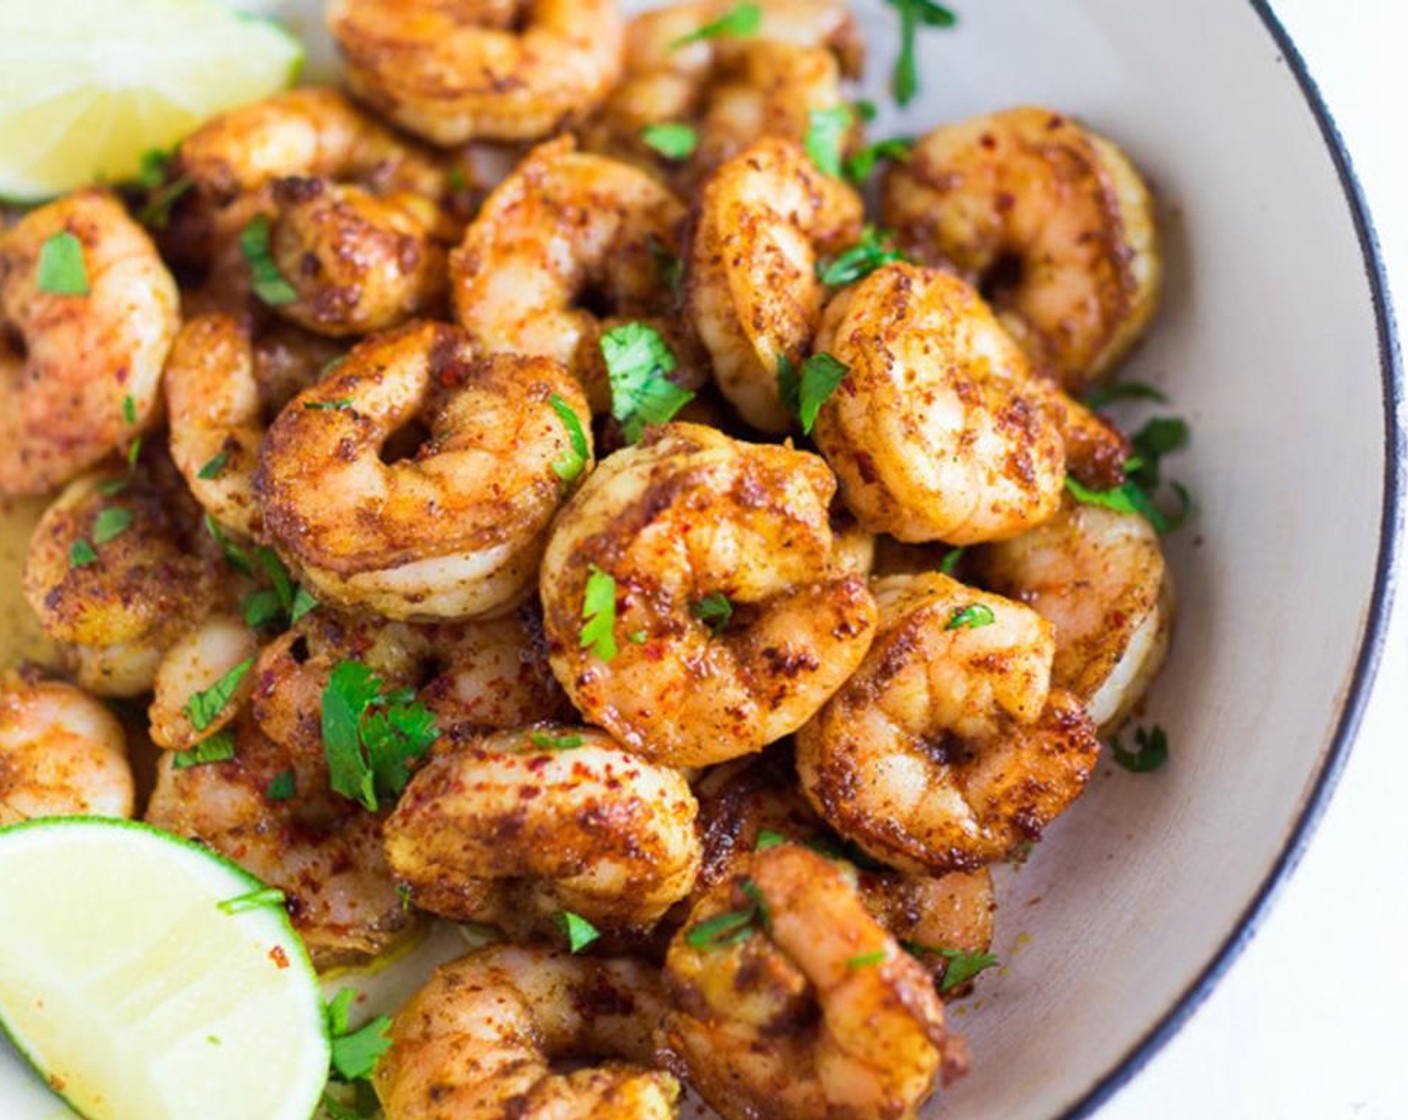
point(762, 221)
point(792, 1003)
point(690, 599)
point(458, 70)
point(457, 529)
point(62, 753)
point(947, 749)
point(1099, 577)
point(938, 431)
point(515, 827)
point(87, 315)
point(564, 228)
point(1052, 220)
point(478, 1042)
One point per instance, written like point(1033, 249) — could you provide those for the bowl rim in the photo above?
point(1336, 753)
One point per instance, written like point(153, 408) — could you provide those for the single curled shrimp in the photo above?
point(62, 753)
point(753, 295)
point(1099, 577)
point(453, 532)
point(478, 1042)
point(1050, 219)
point(728, 624)
point(938, 431)
point(87, 315)
point(194, 664)
point(947, 749)
point(794, 1004)
point(567, 227)
point(515, 827)
point(458, 70)
point(118, 577)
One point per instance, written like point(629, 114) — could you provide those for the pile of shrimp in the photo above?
point(488, 518)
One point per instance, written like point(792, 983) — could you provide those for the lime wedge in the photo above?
point(136, 994)
point(86, 89)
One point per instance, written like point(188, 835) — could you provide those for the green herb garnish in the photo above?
point(554, 742)
point(203, 708)
point(714, 610)
point(1113, 391)
point(861, 166)
point(282, 787)
point(914, 14)
point(971, 617)
point(667, 264)
point(129, 409)
point(804, 395)
point(867, 960)
point(1150, 753)
point(62, 271)
point(962, 965)
point(599, 615)
point(569, 464)
point(580, 932)
point(738, 21)
point(110, 523)
point(370, 736)
point(340, 405)
point(826, 135)
point(355, 1053)
point(860, 260)
point(671, 139)
point(269, 285)
point(214, 466)
point(265, 896)
point(949, 564)
point(81, 554)
point(637, 360)
point(767, 838)
point(219, 747)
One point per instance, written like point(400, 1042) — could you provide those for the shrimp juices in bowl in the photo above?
point(651, 551)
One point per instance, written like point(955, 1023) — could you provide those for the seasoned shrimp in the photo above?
point(568, 226)
point(122, 597)
point(80, 372)
point(947, 749)
point(1098, 576)
point(323, 851)
point(816, 1014)
point(938, 431)
point(458, 70)
point(216, 647)
point(752, 292)
point(457, 530)
point(62, 753)
point(515, 827)
point(684, 516)
point(1051, 219)
point(478, 1041)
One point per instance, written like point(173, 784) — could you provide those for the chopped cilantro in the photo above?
point(554, 742)
point(860, 260)
point(214, 466)
point(1150, 753)
point(129, 409)
point(219, 747)
point(110, 523)
point(861, 166)
point(739, 21)
point(961, 965)
point(342, 404)
point(204, 708)
point(714, 610)
point(599, 615)
point(62, 270)
point(569, 464)
point(971, 617)
point(580, 932)
point(826, 135)
point(269, 285)
point(671, 139)
point(667, 264)
point(355, 1053)
point(282, 787)
point(949, 564)
point(867, 960)
point(637, 361)
point(81, 554)
point(732, 926)
point(265, 896)
point(904, 81)
point(767, 838)
point(370, 737)
point(1113, 391)
point(804, 395)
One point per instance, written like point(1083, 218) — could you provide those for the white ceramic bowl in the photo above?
point(1275, 341)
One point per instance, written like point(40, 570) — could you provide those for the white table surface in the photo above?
point(1312, 1021)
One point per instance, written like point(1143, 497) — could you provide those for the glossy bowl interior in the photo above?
point(1273, 343)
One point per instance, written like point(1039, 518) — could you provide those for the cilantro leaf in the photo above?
point(264, 896)
point(637, 360)
point(860, 260)
point(303, 603)
point(671, 139)
point(1150, 753)
point(282, 786)
point(667, 264)
point(714, 610)
point(867, 960)
point(371, 737)
point(767, 838)
point(580, 932)
point(723, 929)
point(356, 1053)
point(214, 466)
point(81, 554)
point(826, 135)
point(204, 708)
point(803, 396)
point(949, 564)
point(110, 523)
point(219, 747)
point(269, 285)
point(62, 270)
point(570, 463)
point(342, 404)
point(904, 81)
point(861, 166)
point(971, 617)
point(554, 742)
point(1113, 391)
point(234, 555)
point(156, 211)
point(961, 965)
point(599, 615)
point(739, 21)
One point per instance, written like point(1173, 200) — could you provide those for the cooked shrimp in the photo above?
point(744, 806)
point(120, 602)
point(816, 1014)
point(568, 226)
point(321, 850)
point(1051, 219)
point(938, 431)
point(688, 514)
point(753, 294)
point(62, 753)
point(947, 749)
point(458, 70)
point(479, 1040)
point(80, 372)
point(1098, 576)
point(455, 531)
point(515, 827)
point(216, 647)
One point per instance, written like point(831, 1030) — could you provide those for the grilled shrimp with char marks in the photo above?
point(478, 1042)
point(1052, 220)
point(81, 371)
point(948, 748)
point(62, 753)
point(686, 515)
point(457, 530)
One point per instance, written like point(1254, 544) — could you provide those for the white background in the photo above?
point(1312, 1021)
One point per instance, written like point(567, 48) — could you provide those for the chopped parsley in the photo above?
point(767, 838)
point(282, 786)
point(370, 736)
point(156, 211)
point(866, 109)
point(554, 742)
point(151, 168)
point(949, 564)
point(62, 270)
point(1150, 753)
point(971, 617)
point(129, 409)
point(268, 283)
point(1161, 436)
point(110, 523)
point(667, 264)
point(580, 932)
point(342, 404)
point(867, 960)
point(265, 896)
point(873, 251)
point(961, 965)
point(914, 14)
point(714, 610)
point(569, 464)
point(861, 166)
point(1113, 391)
point(355, 1053)
point(599, 615)
point(81, 554)
point(739, 21)
point(826, 136)
point(204, 708)
point(214, 466)
point(804, 395)
point(637, 361)
point(219, 747)
point(671, 139)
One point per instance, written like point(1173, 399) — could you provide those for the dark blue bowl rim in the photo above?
point(1376, 625)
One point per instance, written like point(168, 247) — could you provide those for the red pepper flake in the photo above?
point(279, 957)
